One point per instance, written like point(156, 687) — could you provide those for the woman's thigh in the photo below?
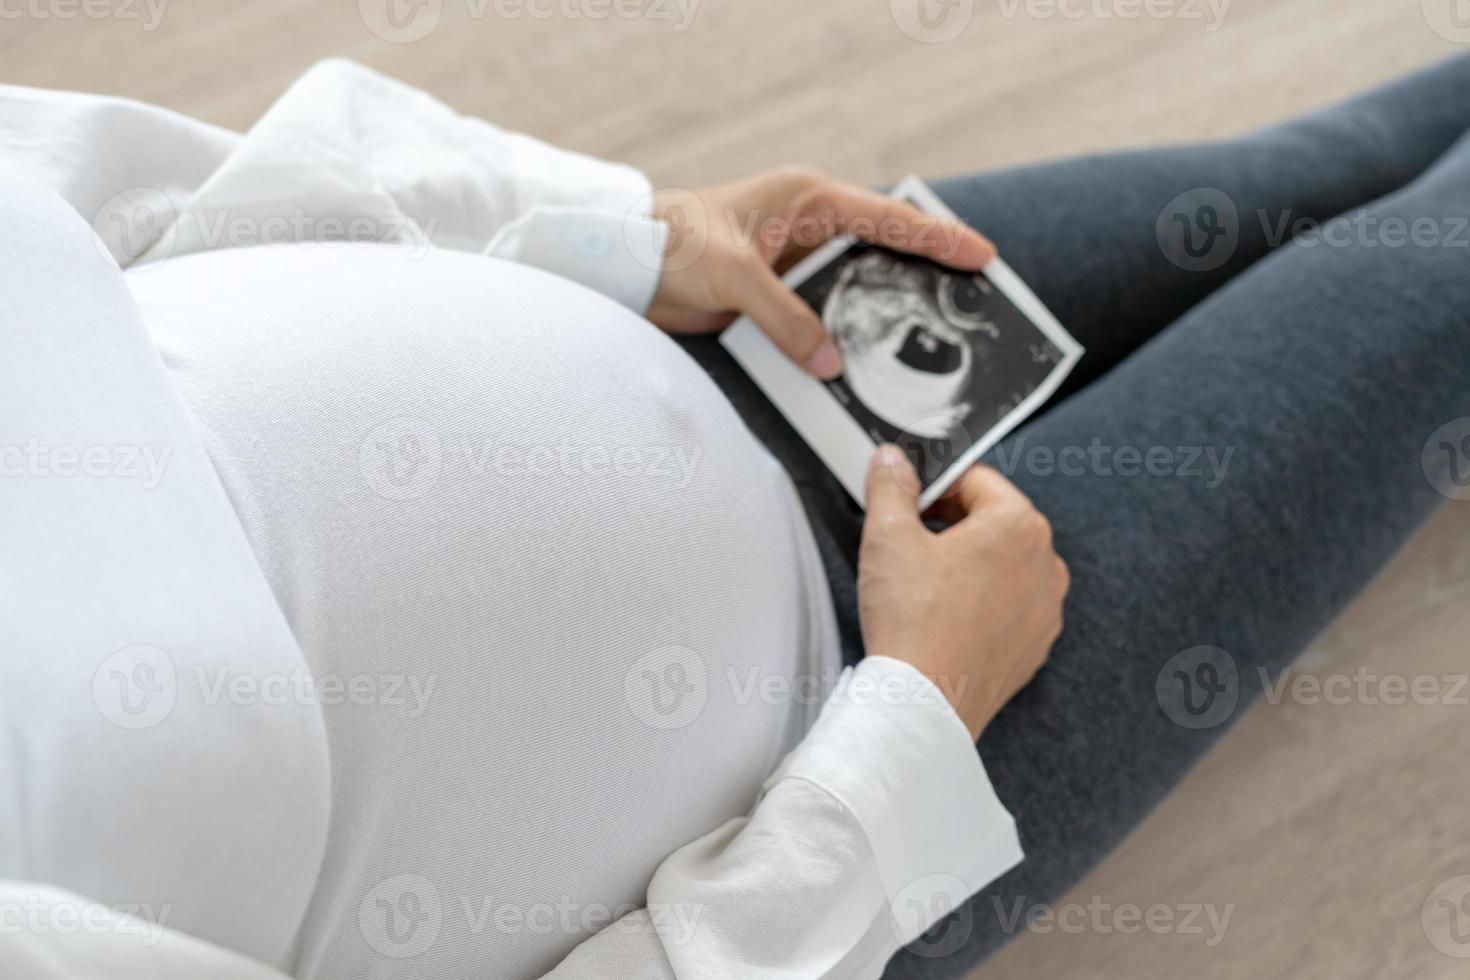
point(1220, 496)
point(1120, 245)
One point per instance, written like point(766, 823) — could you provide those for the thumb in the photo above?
point(893, 489)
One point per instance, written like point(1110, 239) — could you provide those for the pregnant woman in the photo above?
point(385, 596)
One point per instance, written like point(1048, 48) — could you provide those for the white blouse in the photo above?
point(385, 596)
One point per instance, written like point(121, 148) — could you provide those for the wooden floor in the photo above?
point(1324, 828)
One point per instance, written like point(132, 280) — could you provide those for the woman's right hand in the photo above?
point(975, 607)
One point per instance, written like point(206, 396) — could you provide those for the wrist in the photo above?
point(972, 702)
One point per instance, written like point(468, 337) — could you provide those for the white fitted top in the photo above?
point(561, 609)
point(414, 612)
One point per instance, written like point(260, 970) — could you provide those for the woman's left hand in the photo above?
point(728, 246)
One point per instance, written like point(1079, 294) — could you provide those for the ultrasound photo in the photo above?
point(938, 361)
point(933, 358)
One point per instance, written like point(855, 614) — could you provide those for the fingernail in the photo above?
point(888, 456)
point(973, 249)
point(895, 462)
point(984, 250)
point(826, 363)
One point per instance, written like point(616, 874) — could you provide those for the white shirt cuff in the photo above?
point(606, 239)
point(617, 253)
point(891, 749)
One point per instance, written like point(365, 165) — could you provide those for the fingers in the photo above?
point(790, 323)
point(899, 225)
point(892, 492)
point(735, 271)
point(981, 487)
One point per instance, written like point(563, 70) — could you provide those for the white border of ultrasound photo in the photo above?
point(820, 418)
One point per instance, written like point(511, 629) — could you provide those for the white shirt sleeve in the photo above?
point(345, 154)
point(877, 826)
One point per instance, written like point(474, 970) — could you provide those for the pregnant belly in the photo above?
point(545, 580)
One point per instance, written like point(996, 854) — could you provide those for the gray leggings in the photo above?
point(1255, 429)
